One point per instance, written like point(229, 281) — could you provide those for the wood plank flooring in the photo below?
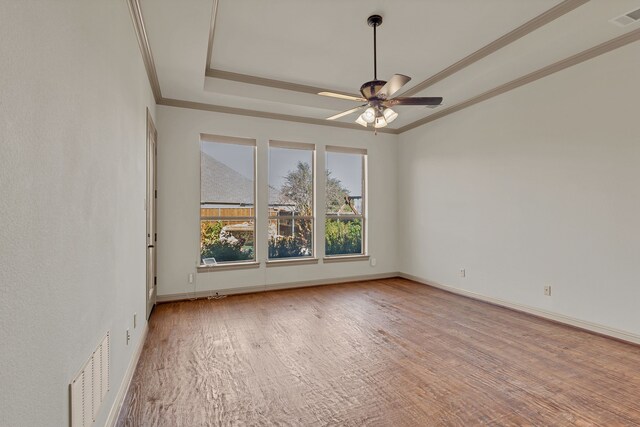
point(382, 353)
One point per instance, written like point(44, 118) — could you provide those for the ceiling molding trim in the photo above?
point(277, 84)
point(576, 59)
point(546, 17)
point(214, 15)
point(145, 48)
point(528, 27)
point(207, 137)
point(543, 19)
point(254, 80)
point(266, 115)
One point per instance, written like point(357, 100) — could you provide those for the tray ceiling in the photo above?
point(328, 45)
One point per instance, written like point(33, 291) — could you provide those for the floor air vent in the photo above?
point(627, 18)
point(90, 387)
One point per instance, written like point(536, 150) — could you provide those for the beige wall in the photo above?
point(73, 105)
point(537, 186)
point(179, 199)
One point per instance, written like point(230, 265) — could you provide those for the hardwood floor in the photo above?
point(387, 352)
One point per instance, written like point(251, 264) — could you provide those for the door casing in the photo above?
point(151, 207)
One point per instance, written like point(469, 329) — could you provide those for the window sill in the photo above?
point(344, 258)
point(291, 261)
point(230, 266)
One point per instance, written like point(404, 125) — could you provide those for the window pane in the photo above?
point(227, 179)
point(343, 236)
point(227, 190)
point(290, 237)
point(345, 184)
point(226, 241)
point(290, 196)
point(290, 181)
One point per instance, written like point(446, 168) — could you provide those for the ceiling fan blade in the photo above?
point(413, 101)
point(393, 85)
point(345, 113)
point(341, 96)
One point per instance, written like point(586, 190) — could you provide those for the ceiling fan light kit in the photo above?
point(377, 93)
point(380, 122)
point(390, 115)
point(369, 115)
point(361, 121)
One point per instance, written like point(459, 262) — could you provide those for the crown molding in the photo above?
point(145, 48)
point(528, 27)
point(254, 80)
point(267, 115)
point(277, 84)
point(147, 57)
point(578, 58)
point(543, 19)
point(212, 26)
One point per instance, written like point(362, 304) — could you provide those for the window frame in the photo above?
point(313, 258)
point(228, 265)
point(363, 255)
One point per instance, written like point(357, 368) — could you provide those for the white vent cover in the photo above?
point(627, 18)
point(90, 386)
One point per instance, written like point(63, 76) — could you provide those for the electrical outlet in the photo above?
point(135, 320)
point(463, 272)
point(547, 290)
point(128, 337)
point(372, 262)
point(190, 278)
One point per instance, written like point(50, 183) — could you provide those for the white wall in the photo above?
point(179, 199)
point(72, 185)
point(537, 186)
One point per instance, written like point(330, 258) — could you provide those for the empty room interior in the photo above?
point(319, 213)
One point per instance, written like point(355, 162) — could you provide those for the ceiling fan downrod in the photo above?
point(375, 21)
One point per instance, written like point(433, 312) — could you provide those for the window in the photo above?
point(291, 200)
point(345, 201)
point(227, 200)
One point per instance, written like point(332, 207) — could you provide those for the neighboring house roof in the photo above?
point(221, 184)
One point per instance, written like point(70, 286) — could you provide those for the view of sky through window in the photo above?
point(232, 155)
point(348, 169)
point(284, 160)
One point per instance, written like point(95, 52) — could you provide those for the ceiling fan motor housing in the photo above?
point(369, 89)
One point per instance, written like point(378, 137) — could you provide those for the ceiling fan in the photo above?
point(377, 94)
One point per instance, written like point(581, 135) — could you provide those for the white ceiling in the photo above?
point(329, 45)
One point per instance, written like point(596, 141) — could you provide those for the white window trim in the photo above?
point(231, 265)
point(345, 258)
point(364, 254)
point(279, 262)
point(304, 146)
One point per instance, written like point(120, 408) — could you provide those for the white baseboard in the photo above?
point(126, 381)
point(557, 317)
point(273, 287)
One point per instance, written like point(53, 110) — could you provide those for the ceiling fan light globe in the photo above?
point(380, 122)
point(361, 121)
point(390, 115)
point(369, 115)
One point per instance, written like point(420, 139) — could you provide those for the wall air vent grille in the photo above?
point(90, 386)
point(627, 18)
